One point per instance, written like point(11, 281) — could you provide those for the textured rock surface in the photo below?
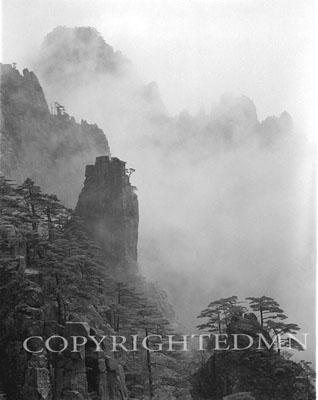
point(239, 396)
point(50, 149)
point(108, 205)
point(77, 63)
point(37, 384)
point(45, 376)
point(71, 367)
point(25, 376)
point(78, 53)
point(255, 373)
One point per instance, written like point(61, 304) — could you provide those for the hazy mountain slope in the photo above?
point(51, 149)
point(77, 66)
point(220, 191)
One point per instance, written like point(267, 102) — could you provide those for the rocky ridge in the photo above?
point(108, 208)
point(49, 147)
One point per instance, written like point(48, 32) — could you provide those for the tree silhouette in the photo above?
point(264, 372)
point(219, 314)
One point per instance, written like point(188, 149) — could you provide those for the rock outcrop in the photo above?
point(45, 145)
point(51, 148)
point(239, 396)
point(78, 53)
point(108, 205)
point(44, 375)
point(246, 374)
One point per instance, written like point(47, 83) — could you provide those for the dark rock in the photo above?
point(108, 205)
point(76, 329)
point(52, 328)
point(33, 328)
point(34, 296)
point(250, 316)
point(72, 395)
point(247, 325)
point(111, 364)
point(239, 396)
point(60, 147)
point(37, 385)
point(33, 275)
point(97, 375)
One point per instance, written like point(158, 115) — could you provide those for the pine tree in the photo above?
point(15, 219)
point(263, 372)
point(219, 314)
point(267, 307)
point(271, 318)
point(152, 322)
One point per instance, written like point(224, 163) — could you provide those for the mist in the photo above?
point(226, 198)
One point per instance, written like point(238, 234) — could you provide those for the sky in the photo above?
point(247, 227)
point(265, 49)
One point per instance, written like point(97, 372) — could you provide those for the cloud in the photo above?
point(226, 201)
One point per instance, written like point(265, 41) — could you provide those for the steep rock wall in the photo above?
point(45, 375)
point(52, 149)
point(48, 147)
point(108, 205)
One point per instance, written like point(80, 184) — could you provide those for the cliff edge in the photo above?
point(108, 205)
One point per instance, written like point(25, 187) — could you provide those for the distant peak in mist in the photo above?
point(71, 53)
point(274, 126)
point(77, 67)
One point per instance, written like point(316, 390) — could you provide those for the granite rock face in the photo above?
point(46, 145)
point(79, 53)
point(108, 205)
point(239, 396)
point(26, 310)
point(51, 148)
point(37, 384)
point(257, 372)
point(42, 374)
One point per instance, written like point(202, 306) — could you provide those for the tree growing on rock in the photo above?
point(263, 372)
point(219, 313)
point(271, 319)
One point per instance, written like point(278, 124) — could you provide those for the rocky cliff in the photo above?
point(45, 145)
point(255, 373)
point(50, 147)
point(51, 284)
point(109, 207)
point(44, 375)
point(78, 53)
point(59, 280)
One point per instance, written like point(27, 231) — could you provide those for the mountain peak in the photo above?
point(77, 52)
